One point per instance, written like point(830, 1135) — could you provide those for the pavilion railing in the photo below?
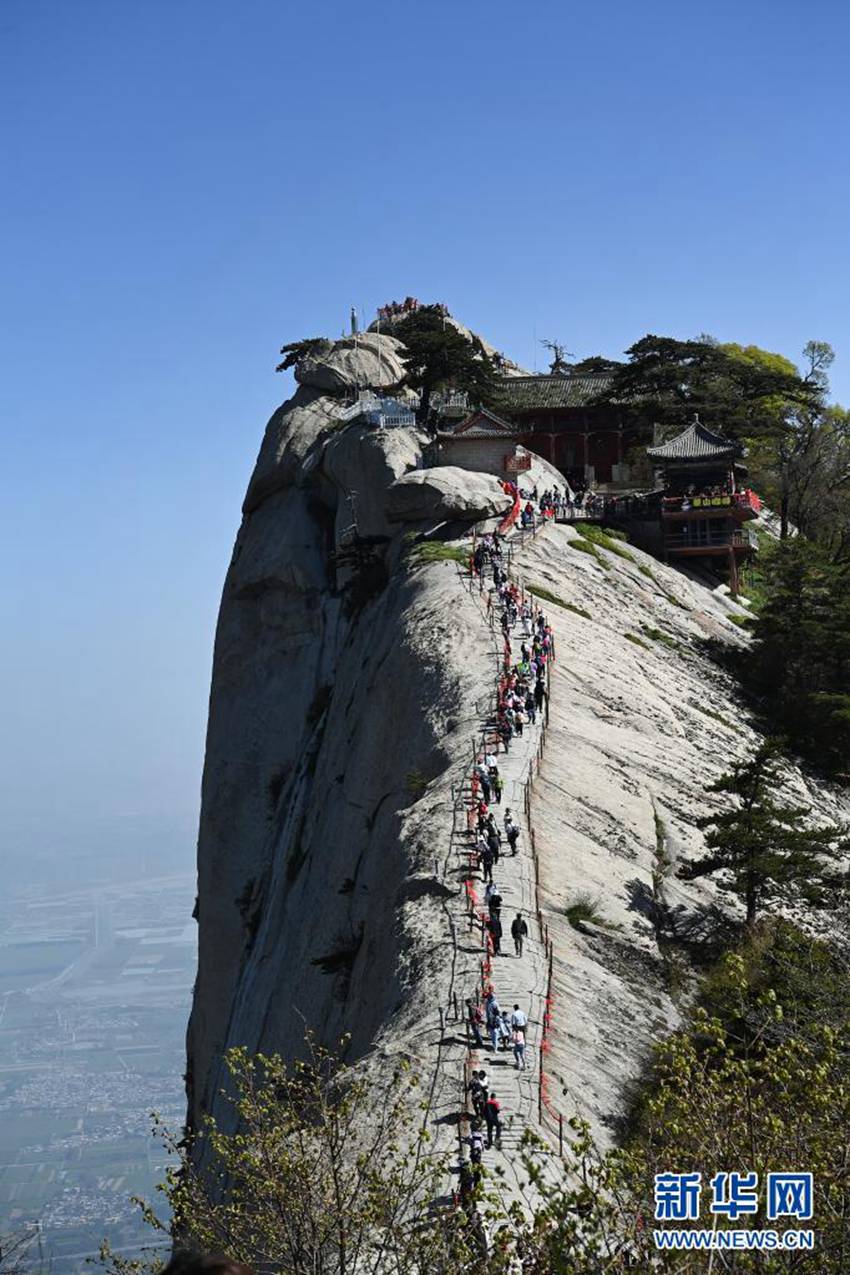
point(740, 538)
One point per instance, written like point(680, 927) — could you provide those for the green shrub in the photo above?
point(584, 907)
point(416, 784)
point(633, 637)
point(439, 551)
point(584, 547)
point(658, 635)
point(781, 961)
point(718, 717)
point(678, 977)
point(546, 596)
point(757, 583)
point(674, 601)
point(603, 539)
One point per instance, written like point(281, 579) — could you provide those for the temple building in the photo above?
point(481, 441)
point(704, 499)
point(556, 416)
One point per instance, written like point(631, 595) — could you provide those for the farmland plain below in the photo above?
point(95, 985)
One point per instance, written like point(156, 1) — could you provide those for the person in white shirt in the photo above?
point(519, 1020)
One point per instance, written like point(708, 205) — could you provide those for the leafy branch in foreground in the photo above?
point(16, 1249)
point(325, 1170)
point(316, 1170)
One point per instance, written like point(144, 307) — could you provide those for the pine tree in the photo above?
point(438, 356)
point(295, 351)
point(742, 391)
point(800, 663)
point(763, 848)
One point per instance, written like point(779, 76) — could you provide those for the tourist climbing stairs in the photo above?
point(516, 980)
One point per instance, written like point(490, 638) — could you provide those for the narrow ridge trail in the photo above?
point(521, 981)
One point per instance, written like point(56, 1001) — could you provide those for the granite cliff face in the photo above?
point(338, 693)
point(642, 721)
point(343, 701)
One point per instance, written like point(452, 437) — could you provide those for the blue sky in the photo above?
point(190, 184)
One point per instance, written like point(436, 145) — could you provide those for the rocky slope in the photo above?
point(642, 722)
point(340, 697)
point(343, 701)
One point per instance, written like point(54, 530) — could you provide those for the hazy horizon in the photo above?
point(189, 187)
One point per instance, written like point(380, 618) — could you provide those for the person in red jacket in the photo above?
point(493, 1116)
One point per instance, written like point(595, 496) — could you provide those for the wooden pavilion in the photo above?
point(705, 501)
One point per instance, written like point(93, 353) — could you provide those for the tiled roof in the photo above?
point(527, 393)
point(694, 443)
point(482, 424)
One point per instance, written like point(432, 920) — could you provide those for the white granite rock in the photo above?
point(361, 361)
point(446, 492)
point(340, 726)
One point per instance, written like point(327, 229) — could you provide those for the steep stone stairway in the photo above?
point(517, 980)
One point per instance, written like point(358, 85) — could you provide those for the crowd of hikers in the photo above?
point(554, 504)
point(528, 645)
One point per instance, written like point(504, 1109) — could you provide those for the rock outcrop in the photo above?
point(364, 359)
point(541, 474)
point(343, 683)
point(642, 721)
point(349, 677)
point(507, 366)
point(446, 493)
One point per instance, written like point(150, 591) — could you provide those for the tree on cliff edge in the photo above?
point(764, 849)
point(315, 1169)
point(437, 356)
point(279, 1194)
point(799, 665)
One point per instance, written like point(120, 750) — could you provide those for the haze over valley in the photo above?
point(95, 984)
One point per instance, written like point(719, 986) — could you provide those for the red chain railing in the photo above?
point(513, 513)
point(476, 912)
